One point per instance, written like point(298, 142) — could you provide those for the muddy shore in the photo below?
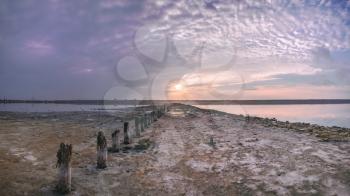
point(188, 151)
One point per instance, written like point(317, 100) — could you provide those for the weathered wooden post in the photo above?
point(126, 134)
point(145, 120)
point(158, 112)
point(211, 141)
point(148, 120)
point(101, 150)
point(247, 119)
point(115, 140)
point(137, 130)
point(155, 115)
point(142, 123)
point(64, 155)
point(161, 110)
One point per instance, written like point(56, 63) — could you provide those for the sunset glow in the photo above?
point(178, 87)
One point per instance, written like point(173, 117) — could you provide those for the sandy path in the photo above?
point(246, 159)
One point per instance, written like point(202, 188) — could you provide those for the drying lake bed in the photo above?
point(189, 151)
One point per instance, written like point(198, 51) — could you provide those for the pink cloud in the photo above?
point(39, 47)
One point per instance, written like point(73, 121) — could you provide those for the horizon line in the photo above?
point(289, 99)
point(192, 102)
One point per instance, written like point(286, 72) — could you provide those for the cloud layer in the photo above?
point(217, 49)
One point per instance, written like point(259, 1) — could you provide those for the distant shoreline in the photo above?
point(190, 102)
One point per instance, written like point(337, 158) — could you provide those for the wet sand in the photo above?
point(192, 152)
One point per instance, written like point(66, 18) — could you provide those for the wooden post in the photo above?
point(142, 124)
point(148, 122)
point(137, 130)
point(148, 119)
point(154, 115)
point(247, 119)
point(126, 134)
point(145, 119)
point(115, 140)
point(64, 155)
point(101, 150)
point(211, 141)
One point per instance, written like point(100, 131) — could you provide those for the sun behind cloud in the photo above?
point(178, 87)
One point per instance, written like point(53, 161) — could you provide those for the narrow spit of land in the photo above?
point(189, 151)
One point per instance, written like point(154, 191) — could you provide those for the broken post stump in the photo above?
point(137, 123)
point(126, 134)
point(211, 141)
point(142, 124)
point(101, 150)
point(145, 125)
point(115, 141)
point(154, 116)
point(148, 121)
point(247, 120)
point(159, 113)
point(149, 118)
point(64, 155)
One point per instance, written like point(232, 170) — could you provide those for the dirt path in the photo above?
point(247, 158)
point(243, 159)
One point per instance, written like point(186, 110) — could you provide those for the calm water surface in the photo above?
point(40, 107)
point(323, 114)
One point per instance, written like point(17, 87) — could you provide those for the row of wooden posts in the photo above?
point(64, 154)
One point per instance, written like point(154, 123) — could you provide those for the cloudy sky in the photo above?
point(188, 49)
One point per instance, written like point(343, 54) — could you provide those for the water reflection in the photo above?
point(323, 114)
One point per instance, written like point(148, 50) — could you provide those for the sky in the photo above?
point(186, 49)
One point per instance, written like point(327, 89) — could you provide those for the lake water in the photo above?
point(41, 107)
point(323, 114)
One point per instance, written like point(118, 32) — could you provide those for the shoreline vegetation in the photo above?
point(188, 150)
point(189, 102)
